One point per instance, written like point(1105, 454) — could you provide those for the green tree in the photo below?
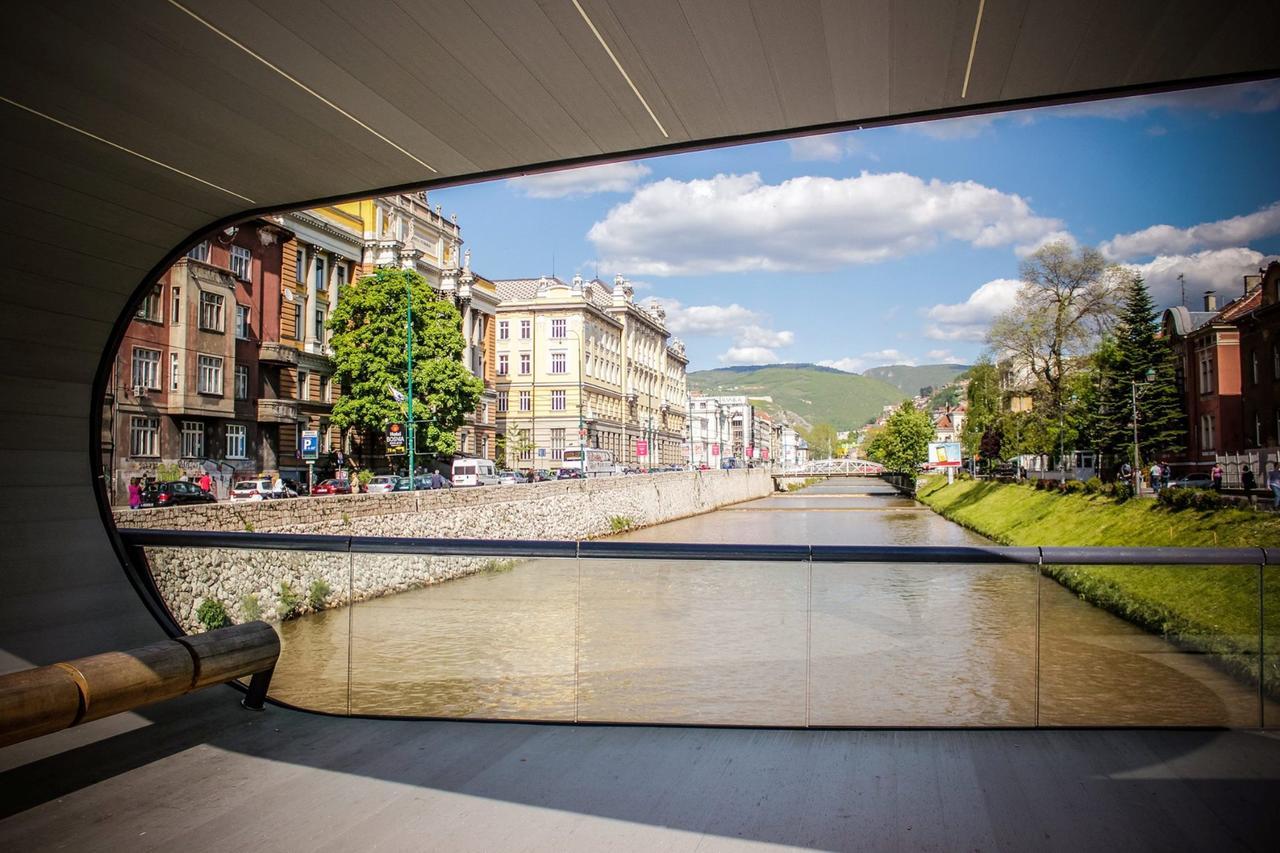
point(984, 402)
point(1121, 377)
point(822, 441)
point(369, 356)
point(903, 445)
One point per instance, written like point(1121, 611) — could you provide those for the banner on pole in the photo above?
point(396, 435)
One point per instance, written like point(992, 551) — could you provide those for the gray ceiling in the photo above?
point(128, 126)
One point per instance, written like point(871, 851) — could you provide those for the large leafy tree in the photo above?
point(822, 441)
point(903, 445)
point(983, 411)
point(369, 353)
point(1066, 303)
point(1137, 366)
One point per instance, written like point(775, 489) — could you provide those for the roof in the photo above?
point(523, 289)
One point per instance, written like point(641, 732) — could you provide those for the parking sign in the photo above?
point(310, 444)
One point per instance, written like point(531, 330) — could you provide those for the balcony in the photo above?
point(276, 411)
point(274, 352)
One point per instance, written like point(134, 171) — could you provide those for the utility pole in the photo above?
point(408, 348)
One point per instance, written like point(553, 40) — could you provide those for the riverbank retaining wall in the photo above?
point(245, 582)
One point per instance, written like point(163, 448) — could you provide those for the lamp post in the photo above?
point(1137, 465)
point(582, 432)
point(408, 348)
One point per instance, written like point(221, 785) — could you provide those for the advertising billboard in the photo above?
point(944, 454)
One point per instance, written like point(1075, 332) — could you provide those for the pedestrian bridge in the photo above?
point(832, 468)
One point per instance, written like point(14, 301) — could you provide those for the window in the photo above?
point(322, 274)
point(176, 295)
point(210, 379)
point(557, 362)
point(146, 367)
point(340, 274)
point(242, 322)
point(300, 267)
point(151, 305)
point(192, 439)
point(1253, 358)
point(1206, 432)
point(236, 435)
point(524, 401)
point(504, 330)
point(304, 385)
point(557, 401)
point(240, 260)
point(321, 333)
point(200, 252)
point(298, 331)
point(175, 372)
point(242, 382)
point(503, 398)
point(326, 389)
point(557, 444)
point(144, 436)
point(502, 364)
point(558, 327)
point(211, 312)
point(524, 363)
point(526, 329)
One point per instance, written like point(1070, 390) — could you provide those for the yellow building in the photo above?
point(580, 363)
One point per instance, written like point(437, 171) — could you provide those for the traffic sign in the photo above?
point(642, 447)
point(310, 444)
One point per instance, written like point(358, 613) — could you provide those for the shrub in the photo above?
point(497, 566)
point(1206, 500)
point(248, 527)
point(1093, 486)
point(212, 614)
point(318, 595)
point(1075, 487)
point(1122, 491)
point(289, 601)
point(1039, 485)
point(168, 471)
point(364, 477)
point(619, 523)
point(251, 608)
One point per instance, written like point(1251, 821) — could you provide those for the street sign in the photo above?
point(396, 438)
point(542, 451)
point(310, 444)
point(642, 447)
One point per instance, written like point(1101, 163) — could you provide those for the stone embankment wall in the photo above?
point(249, 581)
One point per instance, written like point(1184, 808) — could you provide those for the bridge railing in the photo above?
point(722, 634)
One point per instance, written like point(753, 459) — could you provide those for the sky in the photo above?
point(898, 245)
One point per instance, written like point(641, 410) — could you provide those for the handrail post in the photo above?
point(255, 697)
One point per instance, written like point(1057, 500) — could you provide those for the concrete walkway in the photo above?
point(202, 774)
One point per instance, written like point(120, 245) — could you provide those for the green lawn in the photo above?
point(1214, 609)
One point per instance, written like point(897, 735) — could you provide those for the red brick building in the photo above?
point(1260, 363)
point(196, 383)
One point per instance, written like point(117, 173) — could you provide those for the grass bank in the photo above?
point(1212, 609)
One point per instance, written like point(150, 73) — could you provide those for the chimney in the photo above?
point(1210, 301)
point(1251, 282)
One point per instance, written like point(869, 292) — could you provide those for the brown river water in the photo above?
point(736, 643)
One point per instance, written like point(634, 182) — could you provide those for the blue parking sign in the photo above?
point(310, 444)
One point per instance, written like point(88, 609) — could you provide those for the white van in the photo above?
point(474, 472)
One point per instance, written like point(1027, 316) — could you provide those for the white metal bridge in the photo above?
point(832, 468)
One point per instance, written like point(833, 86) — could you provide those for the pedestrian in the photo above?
point(206, 482)
point(1216, 476)
point(1156, 471)
point(1273, 480)
point(135, 493)
point(437, 481)
point(277, 486)
point(1247, 480)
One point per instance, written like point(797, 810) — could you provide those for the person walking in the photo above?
point(206, 482)
point(135, 493)
point(1273, 480)
point(1156, 471)
point(1216, 476)
point(437, 481)
point(1248, 481)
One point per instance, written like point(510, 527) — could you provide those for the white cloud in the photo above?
point(736, 223)
point(1052, 237)
point(969, 320)
point(1168, 240)
point(851, 364)
point(589, 180)
point(859, 363)
point(749, 355)
point(966, 127)
point(831, 147)
point(706, 319)
point(1220, 270)
point(762, 337)
point(942, 356)
point(1257, 97)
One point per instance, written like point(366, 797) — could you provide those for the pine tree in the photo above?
point(1136, 355)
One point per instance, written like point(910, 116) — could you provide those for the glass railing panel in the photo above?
point(718, 642)
point(919, 644)
point(302, 594)
point(1135, 645)
point(488, 637)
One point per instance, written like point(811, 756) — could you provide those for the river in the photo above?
point(669, 641)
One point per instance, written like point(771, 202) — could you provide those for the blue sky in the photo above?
point(898, 245)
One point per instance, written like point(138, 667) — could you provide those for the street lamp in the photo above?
point(582, 432)
point(1137, 474)
point(408, 348)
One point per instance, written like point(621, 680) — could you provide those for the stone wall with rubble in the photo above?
point(249, 583)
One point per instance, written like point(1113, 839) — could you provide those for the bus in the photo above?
point(599, 463)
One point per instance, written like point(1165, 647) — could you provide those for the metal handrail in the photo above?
point(600, 549)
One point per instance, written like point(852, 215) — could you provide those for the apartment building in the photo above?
point(200, 379)
point(1260, 363)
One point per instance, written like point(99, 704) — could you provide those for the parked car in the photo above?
point(511, 478)
point(175, 493)
point(382, 483)
point(1194, 480)
point(259, 490)
point(331, 487)
point(474, 472)
point(569, 474)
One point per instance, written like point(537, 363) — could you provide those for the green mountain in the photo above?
point(910, 379)
point(803, 394)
